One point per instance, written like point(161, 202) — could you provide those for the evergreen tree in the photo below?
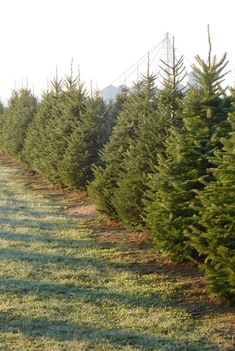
point(54, 124)
point(139, 157)
point(172, 203)
point(216, 242)
point(70, 105)
point(118, 105)
point(106, 175)
point(171, 94)
point(17, 118)
point(156, 114)
point(86, 140)
point(37, 141)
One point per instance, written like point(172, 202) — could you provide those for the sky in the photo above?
point(103, 37)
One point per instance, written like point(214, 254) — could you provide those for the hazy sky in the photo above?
point(103, 36)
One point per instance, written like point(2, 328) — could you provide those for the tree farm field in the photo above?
point(71, 281)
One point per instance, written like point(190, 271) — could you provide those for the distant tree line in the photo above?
point(160, 160)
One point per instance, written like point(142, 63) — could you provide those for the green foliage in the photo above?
point(216, 241)
point(139, 157)
point(16, 119)
point(36, 143)
point(57, 118)
point(172, 189)
point(82, 152)
point(173, 208)
point(158, 111)
point(70, 105)
point(103, 188)
point(64, 141)
point(117, 106)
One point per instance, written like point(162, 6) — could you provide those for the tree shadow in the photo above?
point(61, 330)
point(12, 198)
point(191, 294)
point(52, 241)
point(37, 224)
point(56, 258)
point(142, 258)
point(23, 209)
point(94, 295)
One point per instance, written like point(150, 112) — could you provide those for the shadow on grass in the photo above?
point(52, 241)
point(142, 258)
point(61, 330)
point(58, 259)
point(23, 209)
point(14, 197)
point(94, 295)
point(40, 225)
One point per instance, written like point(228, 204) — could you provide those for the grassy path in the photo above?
point(61, 290)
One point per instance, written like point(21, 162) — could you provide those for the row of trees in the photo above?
point(169, 168)
point(59, 137)
point(160, 160)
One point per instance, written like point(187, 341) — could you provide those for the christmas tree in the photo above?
point(82, 152)
point(35, 152)
point(103, 187)
point(158, 111)
point(173, 206)
point(216, 240)
point(16, 120)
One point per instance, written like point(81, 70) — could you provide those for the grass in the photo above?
point(63, 289)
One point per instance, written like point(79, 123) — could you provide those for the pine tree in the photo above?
point(157, 112)
point(118, 105)
point(17, 118)
point(115, 107)
point(37, 141)
point(104, 185)
point(82, 152)
point(171, 94)
point(216, 240)
point(54, 124)
point(70, 105)
point(139, 157)
point(172, 208)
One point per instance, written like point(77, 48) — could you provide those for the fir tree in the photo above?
point(54, 124)
point(17, 118)
point(83, 148)
point(118, 105)
point(115, 107)
point(171, 94)
point(106, 175)
point(37, 141)
point(172, 208)
point(70, 104)
point(157, 113)
point(139, 157)
point(216, 240)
